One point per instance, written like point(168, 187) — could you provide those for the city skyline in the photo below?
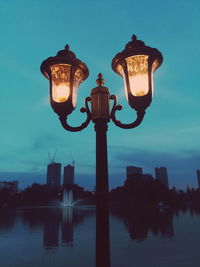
point(169, 134)
point(71, 176)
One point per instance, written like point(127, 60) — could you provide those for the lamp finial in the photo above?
point(134, 37)
point(100, 81)
point(67, 47)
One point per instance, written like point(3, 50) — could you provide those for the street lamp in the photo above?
point(136, 64)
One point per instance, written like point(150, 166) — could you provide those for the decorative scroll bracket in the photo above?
point(140, 116)
point(86, 110)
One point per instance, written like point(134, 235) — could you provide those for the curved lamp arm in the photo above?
point(140, 116)
point(67, 127)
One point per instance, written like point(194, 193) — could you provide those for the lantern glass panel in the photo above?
point(78, 78)
point(154, 67)
point(60, 75)
point(137, 67)
point(121, 71)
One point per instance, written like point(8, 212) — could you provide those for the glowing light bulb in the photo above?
point(139, 84)
point(60, 93)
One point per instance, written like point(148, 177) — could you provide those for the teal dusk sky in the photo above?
point(96, 31)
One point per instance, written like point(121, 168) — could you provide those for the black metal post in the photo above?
point(102, 214)
point(101, 159)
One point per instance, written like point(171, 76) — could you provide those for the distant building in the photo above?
point(161, 174)
point(12, 186)
point(133, 174)
point(147, 177)
point(68, 175)
point(54, 174)
point(133, 170)
point(198, 177)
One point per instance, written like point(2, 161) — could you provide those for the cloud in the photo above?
point(44, 141)
point(149, 158)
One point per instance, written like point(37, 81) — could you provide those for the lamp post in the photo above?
point(136, 65)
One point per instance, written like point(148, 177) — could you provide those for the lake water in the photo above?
point(65, 237)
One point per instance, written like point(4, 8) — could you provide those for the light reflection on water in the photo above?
point(66, 237)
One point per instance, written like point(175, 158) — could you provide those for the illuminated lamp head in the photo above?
point(65, 73)
point(136, 65)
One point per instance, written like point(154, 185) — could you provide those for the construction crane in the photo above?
point(51, 159)
point(73, 161)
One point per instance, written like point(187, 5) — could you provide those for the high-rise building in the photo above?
point(68, 175)
point(133, 173)
point(54, 174)
point(161, 174)
point(198, 177)
point(133, 170)
point(147, 177)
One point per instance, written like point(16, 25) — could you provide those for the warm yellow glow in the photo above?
point(139, 84)
point(77, 80)
point(137, 67)
point(60, 75)
point(60, 93)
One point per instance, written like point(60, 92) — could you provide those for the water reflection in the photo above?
point(67, 226)
point(63, 235)
point(51, 229)
point(7, 220)
point(58, 223)
point(102, 234)
point(141, 222)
